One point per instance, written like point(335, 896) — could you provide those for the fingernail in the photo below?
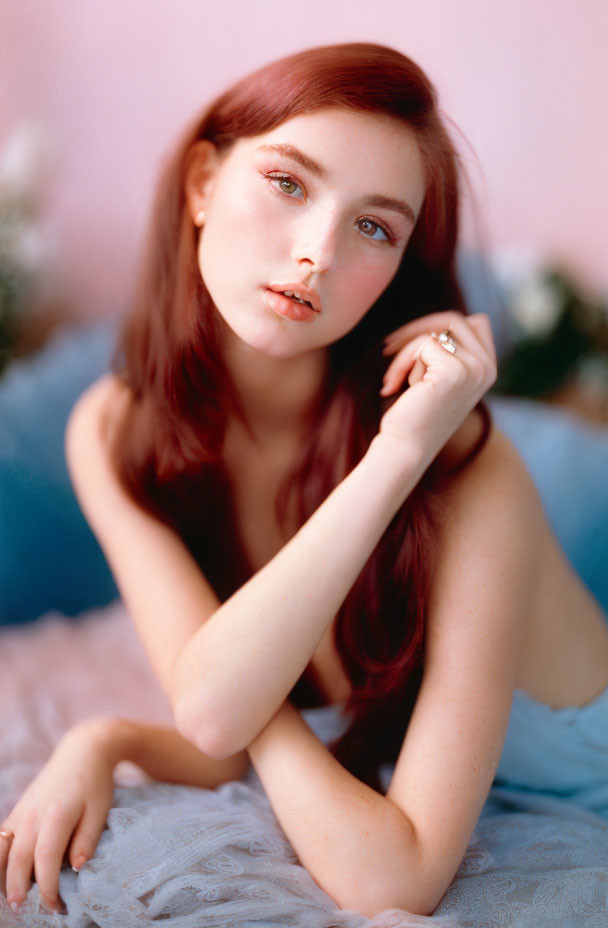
point(14, 907)
point(79, 861)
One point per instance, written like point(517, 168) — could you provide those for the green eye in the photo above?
point(287, 185)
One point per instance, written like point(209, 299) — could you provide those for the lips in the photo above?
point(298, 291)
point(289, 308)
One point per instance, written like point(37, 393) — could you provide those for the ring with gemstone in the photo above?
point(446, 340)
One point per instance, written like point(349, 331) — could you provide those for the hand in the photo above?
point(65, 806)
point(444, 387)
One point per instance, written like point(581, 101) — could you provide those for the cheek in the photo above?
point(368, 280)
point(243, 229)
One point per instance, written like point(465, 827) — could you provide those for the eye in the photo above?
point(286, 185)
point(370, 229)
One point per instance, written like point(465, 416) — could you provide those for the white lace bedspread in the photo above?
point(185, 857)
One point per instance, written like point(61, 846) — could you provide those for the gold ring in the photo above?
point(446, 340)
point(7, 834)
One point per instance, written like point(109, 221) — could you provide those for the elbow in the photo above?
point(372, 901)
point(198, 717)
point(413, 903)
point(417, 892)
point(203, 729)
point(401, 879)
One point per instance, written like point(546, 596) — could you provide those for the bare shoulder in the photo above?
point(496, 480)
point(489, 543)
point(96, 415)
point(102, 403)
point(89, 436)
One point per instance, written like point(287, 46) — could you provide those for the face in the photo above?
point(322, 206)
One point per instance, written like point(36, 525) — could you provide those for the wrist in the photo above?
point(395, 463)
point(114, 738)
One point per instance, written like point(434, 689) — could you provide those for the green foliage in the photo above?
point(15, 288)
point(552, 339)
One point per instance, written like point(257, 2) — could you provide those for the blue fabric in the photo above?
point(561, 752)
point(49, 558)
point(568, 461)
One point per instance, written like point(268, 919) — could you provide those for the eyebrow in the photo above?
point(382, 202)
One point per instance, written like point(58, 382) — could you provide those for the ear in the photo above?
point(201, 163)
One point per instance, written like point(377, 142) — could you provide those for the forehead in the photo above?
point(353, 148)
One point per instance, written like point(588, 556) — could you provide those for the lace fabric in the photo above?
point(188, 857)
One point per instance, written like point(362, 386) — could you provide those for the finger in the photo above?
point(464, 335)
point(417, 372)
point(87, 835)
point(409, 365)
point(471, 352)
point(481, 322)
point(472, 337)
point(421, 325)
point(447, 368)
point(5, 845)
point(51, 845)
point(20, 865)
point(400, 366)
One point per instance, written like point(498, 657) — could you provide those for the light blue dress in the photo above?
point(560, 752)
point(194, 858)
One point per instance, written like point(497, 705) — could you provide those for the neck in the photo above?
point(277, 395)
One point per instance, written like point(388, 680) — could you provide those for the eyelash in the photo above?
point(279, 176)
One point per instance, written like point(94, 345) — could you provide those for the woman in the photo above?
point(299, 492)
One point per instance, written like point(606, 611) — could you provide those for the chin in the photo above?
point(275, 338)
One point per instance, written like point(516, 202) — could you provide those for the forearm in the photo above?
point(162, 753)
point(355, 843)
point(240, 666)
point(228, 668)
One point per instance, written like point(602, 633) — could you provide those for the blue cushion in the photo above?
point(49, 558)
point(568, 461)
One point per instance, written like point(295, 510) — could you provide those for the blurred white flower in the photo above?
point(536, 306)
point(31, 248)
point(25, 160)
point(514, 265)
point(25, 163)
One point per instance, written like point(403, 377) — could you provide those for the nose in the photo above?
point(315, 243)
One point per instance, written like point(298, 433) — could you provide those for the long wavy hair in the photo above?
point(168, 452)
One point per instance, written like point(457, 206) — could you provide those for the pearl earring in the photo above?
point(199, 219)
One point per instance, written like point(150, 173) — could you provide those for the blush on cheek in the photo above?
point(369, 281)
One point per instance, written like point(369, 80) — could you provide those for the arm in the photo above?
point(253, 641)
point(355, 843)
point(67, 804)
point(238, 669)
point(163, 588)
point(370, 852)
point(227, 670)
point(165, 755)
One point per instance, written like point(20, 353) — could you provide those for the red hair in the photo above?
point(168, 453)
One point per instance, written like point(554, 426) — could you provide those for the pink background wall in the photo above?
point(112, 82)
